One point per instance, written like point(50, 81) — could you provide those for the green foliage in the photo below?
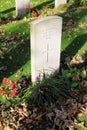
point(4, 100)
point(55, 87)
point(69, 78)
point(81, 127)
point(8, 93)
point(73, 76)
point(59, 85)
point(15, 101)
point(83, 119)
point(83, 74)
point(80, 2)
point(47, 91)
point(83, 2)
point(63, 7)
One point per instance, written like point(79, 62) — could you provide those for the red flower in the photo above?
point(12, 83)
point(35, 14)
point(28, 9)
point(5, 81)
point(2, 91)
point(14, 91)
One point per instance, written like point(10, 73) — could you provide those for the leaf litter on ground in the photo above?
point(59, 116)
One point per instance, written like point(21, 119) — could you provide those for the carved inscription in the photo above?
point(47, 35)
point(45, 46)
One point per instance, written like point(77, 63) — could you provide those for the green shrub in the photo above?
point(47, 91)
point(83, 2)
point(55, 87)
point(80, 2)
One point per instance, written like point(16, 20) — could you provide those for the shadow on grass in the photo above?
point(40, 6)
point(21, 57)
point(76, 15)
point(74, 48)
point(76, 44)
point(8, 10)
point(54, 90)
point(14, 59)
point(10, 16)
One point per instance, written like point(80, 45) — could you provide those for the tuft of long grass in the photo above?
point(48, 91)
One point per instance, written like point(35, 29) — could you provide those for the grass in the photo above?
point(4, 6)
point(15, 60)
point(15, 55)
point(74, 40)
point(72, 43)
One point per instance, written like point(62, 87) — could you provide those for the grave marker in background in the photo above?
point(21, 6)
point(45, 46)
point(58, 2)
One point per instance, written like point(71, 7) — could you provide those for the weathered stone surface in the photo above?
point(45, 46)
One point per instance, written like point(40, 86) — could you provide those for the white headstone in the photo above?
point(58, 2)
point(21, 6)
point(45, 46)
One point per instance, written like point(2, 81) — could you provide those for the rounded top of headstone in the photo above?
point(45, 19)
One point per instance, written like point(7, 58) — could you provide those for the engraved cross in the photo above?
point(47, 51)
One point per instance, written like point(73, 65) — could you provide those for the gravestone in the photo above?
point(21, 6)
point(45, 46)
point(58, 2)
